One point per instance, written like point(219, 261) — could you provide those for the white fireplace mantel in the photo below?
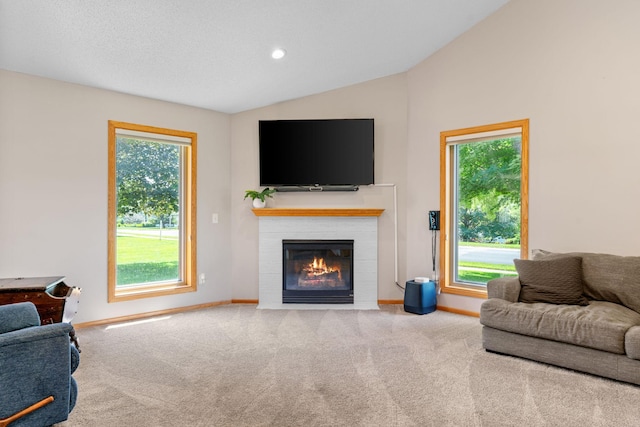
point(359, 225)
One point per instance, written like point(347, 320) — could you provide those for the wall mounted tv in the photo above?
point(316, 155)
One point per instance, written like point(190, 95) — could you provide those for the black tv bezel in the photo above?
point(317, 186)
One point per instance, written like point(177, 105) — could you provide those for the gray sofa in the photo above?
point(600, 337)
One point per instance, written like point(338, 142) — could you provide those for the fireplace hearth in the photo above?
point(317, 271)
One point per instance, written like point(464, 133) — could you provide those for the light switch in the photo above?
point(214, 218)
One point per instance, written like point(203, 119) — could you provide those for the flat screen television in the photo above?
point(301, 155)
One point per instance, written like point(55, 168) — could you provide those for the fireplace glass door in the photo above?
point(317, 271)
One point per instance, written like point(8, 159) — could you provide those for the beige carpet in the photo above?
point(236, 365)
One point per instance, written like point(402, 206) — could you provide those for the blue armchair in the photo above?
point(36, 363)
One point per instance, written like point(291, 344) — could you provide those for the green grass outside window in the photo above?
point(144, 260)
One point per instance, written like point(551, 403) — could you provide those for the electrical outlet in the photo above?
point(202, 279)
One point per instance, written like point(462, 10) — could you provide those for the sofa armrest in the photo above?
point(75, 358)
point(34, 334)
point(506, 288)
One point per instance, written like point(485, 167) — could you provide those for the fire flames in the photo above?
point(318, 268)
point(318, 274)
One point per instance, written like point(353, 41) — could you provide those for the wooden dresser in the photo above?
point(55, 301)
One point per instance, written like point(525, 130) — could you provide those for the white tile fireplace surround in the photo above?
point(359, 225)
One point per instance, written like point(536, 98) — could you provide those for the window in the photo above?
point(152, 211)
point(484, 204)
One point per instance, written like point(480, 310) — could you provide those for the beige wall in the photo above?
point(385, 100)
point(572, 68)
point(53, 188)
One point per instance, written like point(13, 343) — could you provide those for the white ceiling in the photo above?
point(215, 54)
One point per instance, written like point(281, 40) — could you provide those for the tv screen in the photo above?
point(312, 153)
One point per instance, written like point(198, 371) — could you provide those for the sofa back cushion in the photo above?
point(606, 277)
point(18, 316)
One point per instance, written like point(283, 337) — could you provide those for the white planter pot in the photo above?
point(257, 203)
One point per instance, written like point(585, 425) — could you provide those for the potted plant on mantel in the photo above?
point(259, 197)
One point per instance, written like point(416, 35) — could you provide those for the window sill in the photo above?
point(465, 290)
point(139, 292)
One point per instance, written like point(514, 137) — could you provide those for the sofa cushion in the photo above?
point(606, 277)
point(554, 281)
point(600, 325)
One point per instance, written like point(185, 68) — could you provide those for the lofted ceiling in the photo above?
point(216, 54)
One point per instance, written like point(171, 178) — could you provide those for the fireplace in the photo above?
point(317, 271)
point(277, 225)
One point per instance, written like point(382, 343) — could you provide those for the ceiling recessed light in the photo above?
point(278, 53)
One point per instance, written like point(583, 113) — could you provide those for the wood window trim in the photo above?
point(189, 284)
point(446, 281)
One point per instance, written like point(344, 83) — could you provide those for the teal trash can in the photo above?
point(420, 298)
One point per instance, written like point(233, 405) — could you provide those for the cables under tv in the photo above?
point(395, 230)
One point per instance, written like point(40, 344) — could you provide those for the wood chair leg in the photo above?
point(4, 422)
